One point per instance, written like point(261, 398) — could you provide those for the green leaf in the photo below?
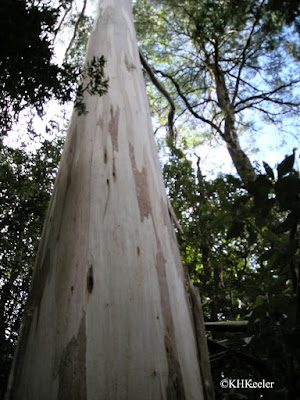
point(286, 166)
point(268, 170)
point(259, 300)
point(248, 339)
point(288, 192)
point(288, 223)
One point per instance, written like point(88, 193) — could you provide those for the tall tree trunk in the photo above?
point(107, 316)
point(238, 156)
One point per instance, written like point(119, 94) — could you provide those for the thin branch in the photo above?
point(269, 113)
point(265, 96)
point(67, 10)
point(189, 106)
point(244, 82)
point(226, 326)
point(244, 53)
point(81, 15)
point(275, 101)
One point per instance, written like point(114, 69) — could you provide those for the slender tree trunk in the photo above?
point(239, 157)
point(107, 316)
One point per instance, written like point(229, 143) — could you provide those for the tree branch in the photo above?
point(189, 106)
point(159, 86)
point(67, 10)
point(81, 15)
point(265, 97)
point(226, 326)
point(244, 53)
point(201, 339)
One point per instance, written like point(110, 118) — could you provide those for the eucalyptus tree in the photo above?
point(108, 316)
point(224, 65)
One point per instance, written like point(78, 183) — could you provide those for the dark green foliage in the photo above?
point(243, 251)
point(28, 77)
point(286, 10)
point(26, 181)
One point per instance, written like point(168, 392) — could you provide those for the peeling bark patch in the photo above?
point(90, 280)
point(129, 65)
point(166, 214)
point(141, 184)
point(175, 390)
point(113, 127)
point(175, 383)
point(72, 369)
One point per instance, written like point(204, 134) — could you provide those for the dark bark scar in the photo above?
point(90, 280)
point(107, 199)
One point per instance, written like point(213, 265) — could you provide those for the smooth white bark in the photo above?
point(108, 316)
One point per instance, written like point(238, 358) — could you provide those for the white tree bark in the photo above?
point(108, 317)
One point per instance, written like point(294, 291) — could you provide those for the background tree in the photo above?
point(224, 63)
point(26, 181)
point(28, 75)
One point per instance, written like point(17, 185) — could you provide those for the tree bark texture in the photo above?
point(107, 316)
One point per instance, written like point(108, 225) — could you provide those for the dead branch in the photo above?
point(201, 339)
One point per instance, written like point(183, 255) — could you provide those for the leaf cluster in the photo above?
point(93, 82)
